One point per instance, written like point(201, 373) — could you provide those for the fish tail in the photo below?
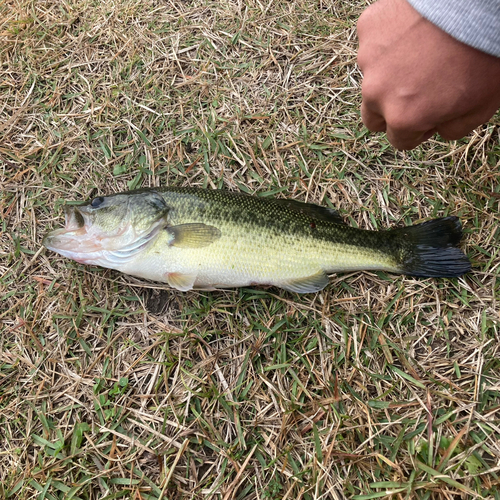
point(430, 249)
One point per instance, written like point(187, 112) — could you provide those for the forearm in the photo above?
point(473, 22)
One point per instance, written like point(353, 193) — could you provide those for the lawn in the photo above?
point(380, 386)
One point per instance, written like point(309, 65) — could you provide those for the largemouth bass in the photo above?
point(209, 239)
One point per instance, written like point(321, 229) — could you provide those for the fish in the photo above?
point(194, 238)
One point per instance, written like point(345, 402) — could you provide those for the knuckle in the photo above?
point(363, 59)
point(371, 91)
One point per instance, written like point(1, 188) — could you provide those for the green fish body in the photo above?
point(206, 239)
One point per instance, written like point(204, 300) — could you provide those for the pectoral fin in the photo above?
point(195, 235)
point(309, 284)
point(180, 281)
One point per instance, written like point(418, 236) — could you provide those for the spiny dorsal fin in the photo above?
point(195, 235)
point(309, 284)
point(316, 211)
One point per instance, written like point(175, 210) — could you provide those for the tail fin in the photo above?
point(430, 249)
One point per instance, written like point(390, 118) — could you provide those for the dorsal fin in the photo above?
point(316, 211)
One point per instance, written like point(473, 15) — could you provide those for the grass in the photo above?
point(379, 386)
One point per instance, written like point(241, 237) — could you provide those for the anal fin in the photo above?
point(309, 284)
point(180, 281)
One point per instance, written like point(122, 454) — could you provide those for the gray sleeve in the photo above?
point(473, 22)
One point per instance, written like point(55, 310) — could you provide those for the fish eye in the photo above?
point(96, 202)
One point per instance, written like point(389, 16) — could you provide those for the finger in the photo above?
point(372, 120)
point(428, 134)
point(460, 127)
point(407, 139)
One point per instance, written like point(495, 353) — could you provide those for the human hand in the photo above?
point(418, 80)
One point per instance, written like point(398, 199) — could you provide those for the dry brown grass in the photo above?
point(379, 386)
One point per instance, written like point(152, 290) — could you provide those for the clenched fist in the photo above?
point(418, 80)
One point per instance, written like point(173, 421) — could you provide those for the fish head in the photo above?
point(109, 229)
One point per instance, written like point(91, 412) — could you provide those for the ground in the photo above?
point(379, 386)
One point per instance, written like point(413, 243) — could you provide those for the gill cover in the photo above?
point(110, 230)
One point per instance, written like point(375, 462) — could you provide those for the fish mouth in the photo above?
point(74, 220)
point(73, 240)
